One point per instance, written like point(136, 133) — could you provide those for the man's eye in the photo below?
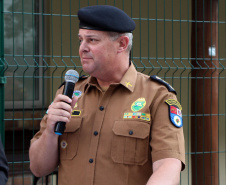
point(92, 40)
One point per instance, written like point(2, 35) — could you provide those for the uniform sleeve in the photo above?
point(3, 166)
point(42, 128)
point(167, 140)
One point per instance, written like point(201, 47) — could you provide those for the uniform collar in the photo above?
point(128, 80)
point(90, 82)
point(130, 77)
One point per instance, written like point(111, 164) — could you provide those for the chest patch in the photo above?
point(76, 113)
point(138, 104)
point(77, 93)
point(137, 115)
point(175, 113)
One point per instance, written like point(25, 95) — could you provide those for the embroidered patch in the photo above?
point(137, 115)
point(76, 105)
point(174, 103)
point(178, 121)
point(175, 113)
point(76, 113)
point(63, 144)
point(77, 93)
point(138, 104)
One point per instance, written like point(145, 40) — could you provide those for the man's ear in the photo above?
point(123, 43)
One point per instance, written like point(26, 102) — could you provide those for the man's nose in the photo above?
point(84, 46)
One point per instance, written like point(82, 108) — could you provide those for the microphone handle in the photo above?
point(68, 91)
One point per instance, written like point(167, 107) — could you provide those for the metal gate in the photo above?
point(181, 41)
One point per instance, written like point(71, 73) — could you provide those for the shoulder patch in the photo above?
point(168, 86)
point(175, 113)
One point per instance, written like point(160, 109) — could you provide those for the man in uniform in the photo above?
point(3, 166)
point(123, 127)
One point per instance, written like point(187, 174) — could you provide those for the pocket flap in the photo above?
point(136, 129)
point(73, 125)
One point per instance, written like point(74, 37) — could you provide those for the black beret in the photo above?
point(105, 18)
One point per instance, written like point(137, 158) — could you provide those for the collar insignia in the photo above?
point(128, 84)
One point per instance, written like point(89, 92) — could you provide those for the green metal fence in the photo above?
point(182, 41)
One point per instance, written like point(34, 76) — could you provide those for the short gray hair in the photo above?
point(116, 35)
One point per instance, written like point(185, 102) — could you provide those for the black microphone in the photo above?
point(71, 77)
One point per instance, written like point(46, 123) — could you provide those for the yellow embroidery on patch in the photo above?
point(174, 102)
point(76, 105)
point(76, 113)
point(138, 104)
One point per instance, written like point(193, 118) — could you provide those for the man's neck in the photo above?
point(115, 78)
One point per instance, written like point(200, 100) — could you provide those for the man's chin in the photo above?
point(86, 68)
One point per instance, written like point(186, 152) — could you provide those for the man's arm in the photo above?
point(43, 152)
point(3, 166)
point(166, 172)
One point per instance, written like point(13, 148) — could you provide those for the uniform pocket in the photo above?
point(130, 142)
point(70, 139)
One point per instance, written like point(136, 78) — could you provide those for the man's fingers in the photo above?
point(62, 98)
point(60, 105)
point(55, 118)
point(60, 112)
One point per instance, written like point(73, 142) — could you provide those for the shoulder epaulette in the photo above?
point(168, 86)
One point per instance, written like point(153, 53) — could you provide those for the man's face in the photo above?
point(97, 52)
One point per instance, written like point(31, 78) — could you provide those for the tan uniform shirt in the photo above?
point(114, 137)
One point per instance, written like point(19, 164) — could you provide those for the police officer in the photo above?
point(122, 127)
point(3, 166)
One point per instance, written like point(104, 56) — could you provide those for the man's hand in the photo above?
point(60, 110)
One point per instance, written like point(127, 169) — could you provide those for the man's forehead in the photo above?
point(91, 33)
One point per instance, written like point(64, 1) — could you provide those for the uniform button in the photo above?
point(101, 108)
point(95, 133)
point(130, 132)
point(90, 160)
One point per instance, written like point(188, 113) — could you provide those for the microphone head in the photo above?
point(71, 76)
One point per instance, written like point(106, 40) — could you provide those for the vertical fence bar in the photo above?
point(2, 78)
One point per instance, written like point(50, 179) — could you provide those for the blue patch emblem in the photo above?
point(176, 120)
point(175, 113)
